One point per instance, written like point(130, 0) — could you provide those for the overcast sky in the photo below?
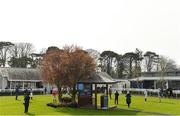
point(121, 25)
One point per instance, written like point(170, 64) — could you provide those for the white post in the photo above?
point(167, 85)
point(23, 86)
point(10, 88)
point(15, 84)
point(10, 85)
point(35, 85)
point(3, 83)
point(154, 84)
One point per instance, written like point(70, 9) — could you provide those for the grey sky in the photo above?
point(121, 25)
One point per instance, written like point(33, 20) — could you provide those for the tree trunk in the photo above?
point(59, 91)
point(60, 94)
point(74, 94)
point(130, 68)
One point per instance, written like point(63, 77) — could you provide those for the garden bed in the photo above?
point(74, 105)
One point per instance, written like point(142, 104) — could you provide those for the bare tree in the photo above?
point(4, 49)
point(165, 64)
point(20, 55)
point(150, 59)
point(25, 49)
point(43, 51)
point(95, 55)
point(21, 49)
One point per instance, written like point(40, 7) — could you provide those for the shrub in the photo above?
point(66, 100)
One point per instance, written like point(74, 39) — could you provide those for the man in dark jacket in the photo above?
point(128, 98)
point(26, 101)
point(17, 92)
point(110, 92)
point(116, 97)
point(45, 90)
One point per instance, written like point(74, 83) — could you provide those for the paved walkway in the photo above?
point(150, 113)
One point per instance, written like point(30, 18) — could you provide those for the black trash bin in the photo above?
point(104, 101)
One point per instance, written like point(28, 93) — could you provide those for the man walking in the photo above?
point(145, 95)
point(128, 98)
point(116, 97)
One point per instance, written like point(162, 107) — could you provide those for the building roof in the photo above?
point(99, 78)
point(27, 74)
point(176, 78)
point(169, 75)
point(20, 74)
point(158, 74)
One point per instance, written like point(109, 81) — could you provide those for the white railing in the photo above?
point(155, 91)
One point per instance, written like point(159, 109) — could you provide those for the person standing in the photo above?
point(159, 94)
point(45, 90)
point(54, 93)
point(170, 92)
point(17, 92)
point(26, 101)
point(145, 95)
point(116, 97)
point(128, 98)
point(31, 93)
point(110, 92)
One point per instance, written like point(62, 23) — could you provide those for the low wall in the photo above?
point(11, 92)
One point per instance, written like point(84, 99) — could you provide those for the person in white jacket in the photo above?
point(145, 95)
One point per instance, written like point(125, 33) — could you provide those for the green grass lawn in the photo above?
point(167, 106)
point(9, 106)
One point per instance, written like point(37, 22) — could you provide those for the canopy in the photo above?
point(99, 78)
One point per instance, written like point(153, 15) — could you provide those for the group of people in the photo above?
point(128, 96)
point(28, 94)
point(17, 92)
point(116, 94)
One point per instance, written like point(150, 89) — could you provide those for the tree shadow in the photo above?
point(134, 109)
point(162, 102)
point(31, 114)
point(130, 108)
point(18, 100)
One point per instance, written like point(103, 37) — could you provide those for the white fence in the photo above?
point(150, 91)
point(13, 90)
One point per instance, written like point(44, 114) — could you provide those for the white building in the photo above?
point(22, 77)
point(152, 80)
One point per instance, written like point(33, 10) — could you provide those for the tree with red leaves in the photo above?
point(65, 67)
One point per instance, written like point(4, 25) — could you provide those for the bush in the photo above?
point(66, 100)
point(71, 104)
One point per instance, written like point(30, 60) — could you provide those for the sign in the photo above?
point(84, 89)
